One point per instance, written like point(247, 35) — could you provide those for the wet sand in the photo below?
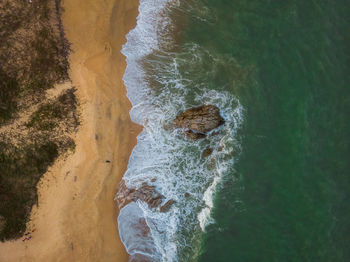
point(76, 216)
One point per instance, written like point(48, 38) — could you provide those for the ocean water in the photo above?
point(277, 185)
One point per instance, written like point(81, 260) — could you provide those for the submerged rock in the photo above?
point(165, 208)
point(200, 119)
point(193, 135)
point(215, 133)
point(207, 152)
point(137, 257)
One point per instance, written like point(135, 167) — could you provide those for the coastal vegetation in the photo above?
point(38, 107)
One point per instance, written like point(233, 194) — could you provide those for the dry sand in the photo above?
point(76, 216)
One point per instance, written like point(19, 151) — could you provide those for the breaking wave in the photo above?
point(162, 80)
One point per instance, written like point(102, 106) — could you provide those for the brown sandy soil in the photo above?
point(76, 216)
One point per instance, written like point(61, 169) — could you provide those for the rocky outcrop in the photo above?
point(165, 208)
point(193, 135)
point(145, 193)
point(207, 152)
point(199, 121)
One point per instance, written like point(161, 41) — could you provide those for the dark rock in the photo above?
point(207, 152)
point(168, 127)
point(200, 119)
point(166, 207)
point(193, 135)
point(153, 202)
point(145, 193)
point(215, 133)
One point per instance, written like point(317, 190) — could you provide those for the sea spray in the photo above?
point(164, 78)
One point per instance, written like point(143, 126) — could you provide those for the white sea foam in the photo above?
point(133, 233)
point(164, 158)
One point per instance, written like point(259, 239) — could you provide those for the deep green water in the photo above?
point(287, 198)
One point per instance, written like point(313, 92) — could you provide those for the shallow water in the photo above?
point(276, 185)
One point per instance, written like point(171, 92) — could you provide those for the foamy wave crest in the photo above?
point(159, 88)
point(142, 41)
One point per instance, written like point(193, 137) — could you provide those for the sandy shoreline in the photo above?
point(76, 216)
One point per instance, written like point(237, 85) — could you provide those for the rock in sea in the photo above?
point(166, 207)
point(207, 152)
point(200, 120)
point(145, 193)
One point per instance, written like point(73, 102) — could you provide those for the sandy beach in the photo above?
point(75, 219)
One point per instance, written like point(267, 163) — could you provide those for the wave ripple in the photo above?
point(159, 89)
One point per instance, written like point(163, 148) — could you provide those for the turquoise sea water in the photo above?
point(277, 186)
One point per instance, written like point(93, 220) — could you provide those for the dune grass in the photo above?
point(33, 59)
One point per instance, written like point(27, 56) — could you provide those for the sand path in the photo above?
point(76, 216)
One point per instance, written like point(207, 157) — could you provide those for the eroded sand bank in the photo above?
point(76, 216)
